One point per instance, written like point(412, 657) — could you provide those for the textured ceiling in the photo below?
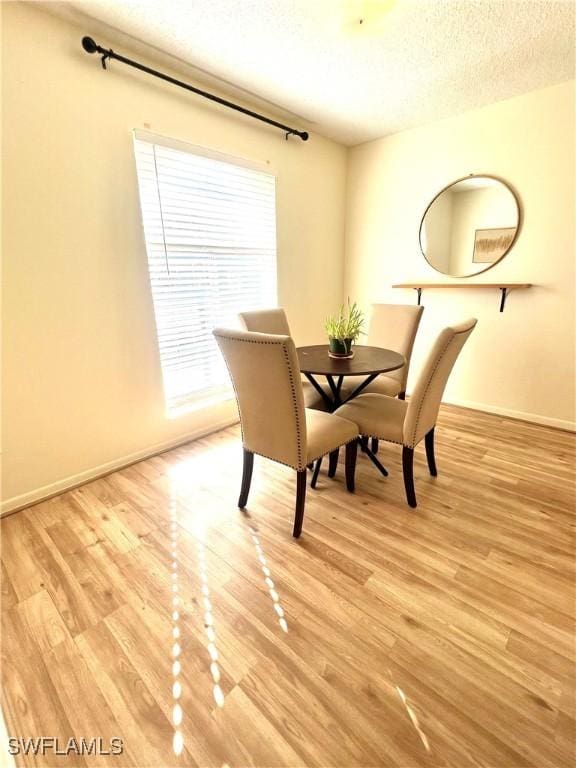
point(409, 63)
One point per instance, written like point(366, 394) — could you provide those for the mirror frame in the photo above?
point(457, 181)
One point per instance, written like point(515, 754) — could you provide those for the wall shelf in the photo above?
point(504, 288)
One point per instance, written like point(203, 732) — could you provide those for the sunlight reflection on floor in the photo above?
point(189, 480)
point(268, 580)
point(177, 714)
point(209, 625)
point(184, 484)
point(413, 718)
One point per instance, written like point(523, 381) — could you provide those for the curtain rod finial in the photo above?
point(89, 45)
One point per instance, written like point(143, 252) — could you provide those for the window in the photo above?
point(210, 231)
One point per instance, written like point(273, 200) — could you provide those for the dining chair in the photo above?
point(275, 321)
point(266, 321)
point(275, 424)
point(393, 326)
point(407, 423)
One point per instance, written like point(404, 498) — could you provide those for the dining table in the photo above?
point(366, 363)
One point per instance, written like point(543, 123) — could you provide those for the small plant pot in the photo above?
point(341, 347)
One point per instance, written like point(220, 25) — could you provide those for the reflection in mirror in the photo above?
point(469, 226)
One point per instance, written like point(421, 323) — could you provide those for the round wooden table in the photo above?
point(368, 362)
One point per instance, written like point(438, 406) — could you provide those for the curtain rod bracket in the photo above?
point(91, 46)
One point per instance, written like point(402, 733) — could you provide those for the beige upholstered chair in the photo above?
point(407, 423)
point(393, 326)
point(266, 321)
point(275, 424)
point(275, 321)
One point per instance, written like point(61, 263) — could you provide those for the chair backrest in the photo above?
point(266, 377)
point(394, 326)
point(266, 321)
point(424, 402)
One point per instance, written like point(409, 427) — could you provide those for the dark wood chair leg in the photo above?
point(351, 454)
point(374, 445)
point(363, 444)
point(408, 469)
point(429, 442)
point(246, 478)
point(333, 462)
point(316, 472)
point(401, 395)
point(300, 501)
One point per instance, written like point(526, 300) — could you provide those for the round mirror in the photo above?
point(469, 226)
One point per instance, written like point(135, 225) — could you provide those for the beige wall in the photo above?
point(520, 362)
point(82, 382)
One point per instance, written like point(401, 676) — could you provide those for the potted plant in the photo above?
point(344, 329)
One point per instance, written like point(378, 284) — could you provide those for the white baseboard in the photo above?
point(533, 418)
point(68, 483)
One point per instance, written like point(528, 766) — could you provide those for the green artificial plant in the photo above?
point(344, 328)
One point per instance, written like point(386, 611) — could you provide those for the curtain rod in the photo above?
point(90, 46)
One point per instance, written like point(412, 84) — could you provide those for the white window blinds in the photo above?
point(210, 231)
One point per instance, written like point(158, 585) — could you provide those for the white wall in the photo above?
point(82, 381)
point(520, 362)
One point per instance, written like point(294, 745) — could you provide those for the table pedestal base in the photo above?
point(335, 387)
point(363, 442)
point(372, 456)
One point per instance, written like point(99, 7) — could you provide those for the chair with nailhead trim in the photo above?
point(392, 326)
point(275, 424)
point(275, 321)
point(406, 423)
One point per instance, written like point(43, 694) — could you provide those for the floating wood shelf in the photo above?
point(503, 287)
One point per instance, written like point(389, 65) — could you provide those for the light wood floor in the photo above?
point(385, 636)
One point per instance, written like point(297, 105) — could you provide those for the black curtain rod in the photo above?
point(90, 46)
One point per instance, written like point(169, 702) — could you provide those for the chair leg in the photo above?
point(300, 501)
point(408, 469)
point(316, 472)
point(246, 478)
point(429, 442)
point(374, 445)
point(363, 444)
point(333, 462)
point(351, 454)
point(401, 395)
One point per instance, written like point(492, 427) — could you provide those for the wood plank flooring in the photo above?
point(146, 606)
